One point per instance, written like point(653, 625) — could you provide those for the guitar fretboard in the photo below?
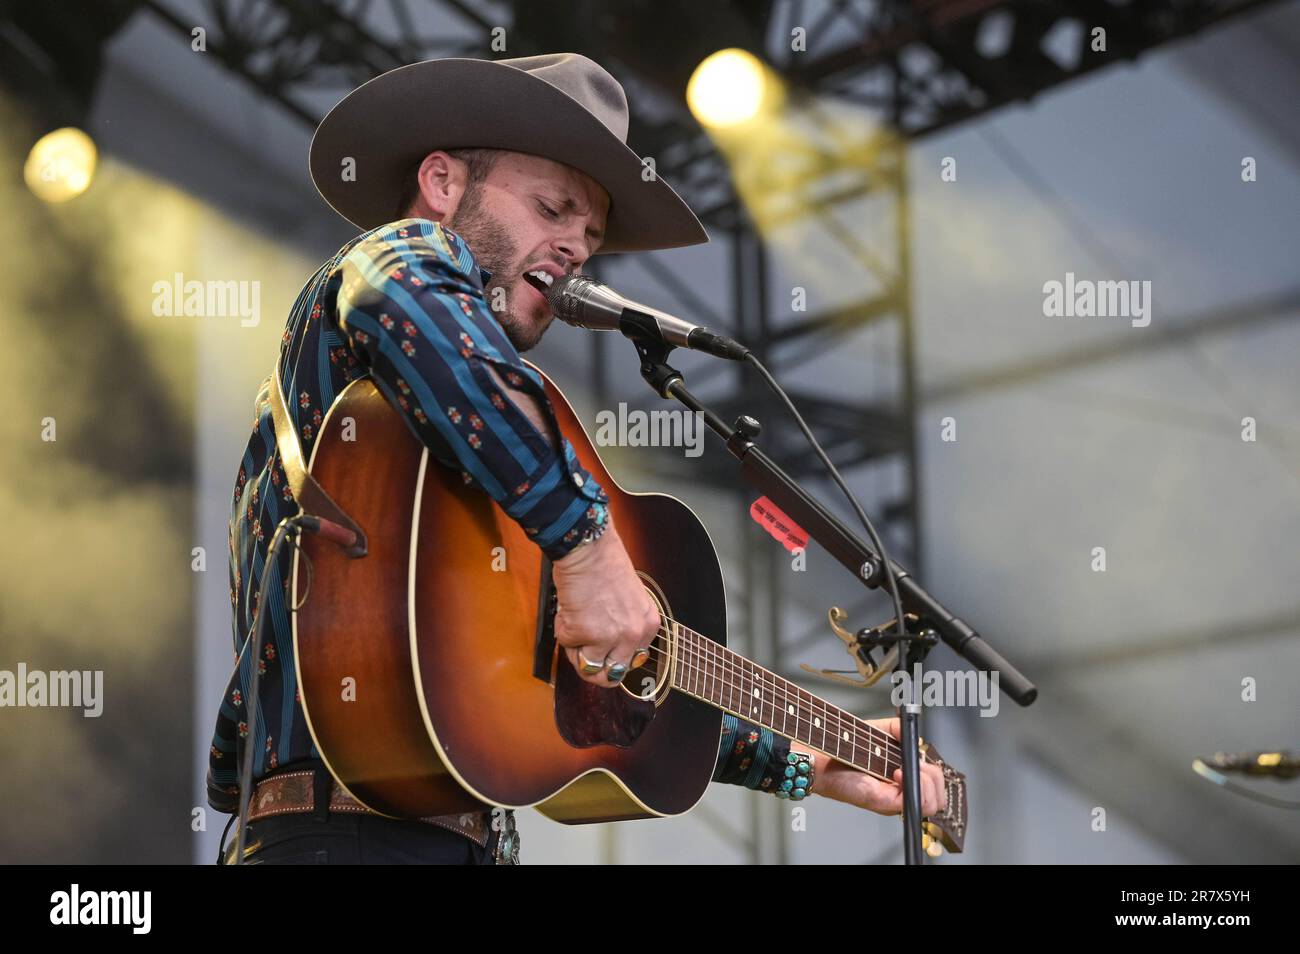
point(729, 681)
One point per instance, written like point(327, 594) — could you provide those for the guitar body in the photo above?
point(418, 664)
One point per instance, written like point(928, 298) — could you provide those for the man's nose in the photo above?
point(575, 251)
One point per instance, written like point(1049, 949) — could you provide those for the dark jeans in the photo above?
point(348, 839)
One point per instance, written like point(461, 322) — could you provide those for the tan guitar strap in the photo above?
point(310, 495)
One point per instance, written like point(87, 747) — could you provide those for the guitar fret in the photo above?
point(737, 674)
point(770, 698)
point(701, 672)
point(706, 656)
point(706, 672)
point(725, 690)
point(748, 694)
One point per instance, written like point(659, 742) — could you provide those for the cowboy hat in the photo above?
point(561, 106)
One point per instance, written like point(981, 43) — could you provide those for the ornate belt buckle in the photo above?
point(507, 848)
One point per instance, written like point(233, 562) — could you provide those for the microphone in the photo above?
point(1275, 764)
point(586, 303)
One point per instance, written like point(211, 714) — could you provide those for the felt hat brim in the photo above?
point(391, 122)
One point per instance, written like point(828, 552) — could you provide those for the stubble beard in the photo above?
point(492, 245)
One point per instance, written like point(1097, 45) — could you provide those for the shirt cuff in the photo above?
point(751, 756)
point(561, 503)
point(593, 521)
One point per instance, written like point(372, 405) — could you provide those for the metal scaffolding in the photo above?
point(914, 66)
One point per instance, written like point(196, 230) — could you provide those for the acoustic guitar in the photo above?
point(429, 672)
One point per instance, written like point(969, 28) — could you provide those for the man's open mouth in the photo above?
point(540, 280)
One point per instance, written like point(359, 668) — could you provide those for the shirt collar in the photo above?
point(485, 275)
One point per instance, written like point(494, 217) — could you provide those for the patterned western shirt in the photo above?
point(404, 304)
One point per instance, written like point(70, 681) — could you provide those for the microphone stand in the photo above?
point(867, 567)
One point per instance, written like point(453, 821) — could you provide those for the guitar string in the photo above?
point(700, 671)
point(805, 707)
point(844, 722)
point(702, 665)
point(721, 653)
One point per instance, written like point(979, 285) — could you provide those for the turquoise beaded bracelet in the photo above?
point(798, 779)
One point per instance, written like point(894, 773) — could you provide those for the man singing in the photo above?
point(476, 184)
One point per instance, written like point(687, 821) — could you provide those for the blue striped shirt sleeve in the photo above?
point(750, 755)
point(411, 305)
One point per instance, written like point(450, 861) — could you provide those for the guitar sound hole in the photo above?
point(648, 680)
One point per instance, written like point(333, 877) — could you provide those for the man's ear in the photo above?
point(442, 179)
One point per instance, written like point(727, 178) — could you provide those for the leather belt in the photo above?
point(292, 793)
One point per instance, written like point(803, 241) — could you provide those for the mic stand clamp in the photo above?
point(654, 365)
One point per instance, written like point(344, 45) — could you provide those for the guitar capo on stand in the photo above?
point(863, 644)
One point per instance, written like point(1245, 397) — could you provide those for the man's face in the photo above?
point(529, 214)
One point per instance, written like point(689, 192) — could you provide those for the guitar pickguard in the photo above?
point(588, 715)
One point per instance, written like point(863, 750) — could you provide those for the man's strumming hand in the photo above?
point(604, 609)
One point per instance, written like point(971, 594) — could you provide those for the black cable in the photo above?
point(221, 845)
point(912, 789)
point(886, 566)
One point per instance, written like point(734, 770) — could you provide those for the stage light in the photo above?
point(727, 88)
point(60, 165)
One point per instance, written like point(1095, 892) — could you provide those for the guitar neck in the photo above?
point(730, 682)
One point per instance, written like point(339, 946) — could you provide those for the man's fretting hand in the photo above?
point(845, 784)
point(604, 609)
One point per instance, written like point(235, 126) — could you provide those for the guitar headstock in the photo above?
point(948, 828)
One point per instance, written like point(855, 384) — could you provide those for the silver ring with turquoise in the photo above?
point(588, 667)
point(798, 780)
point(616, 672)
